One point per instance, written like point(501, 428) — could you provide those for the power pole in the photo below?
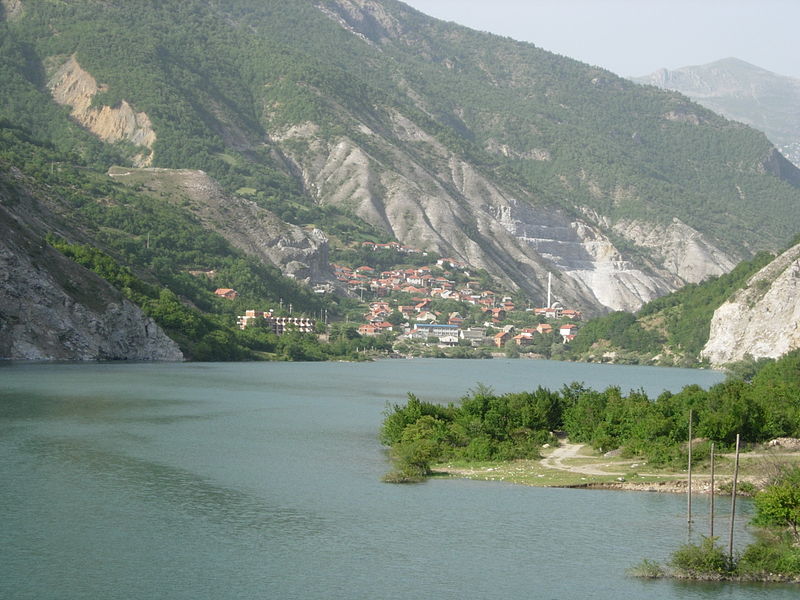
point(733, 499)
point(711, 509)
point(689, 487)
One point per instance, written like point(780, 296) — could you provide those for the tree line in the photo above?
point(488, 426)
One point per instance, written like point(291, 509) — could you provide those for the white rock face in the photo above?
point(763, 319)
point(74, 87)
point(436, 201)
point(685, 252)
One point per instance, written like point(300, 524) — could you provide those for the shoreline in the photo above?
point(576, 466)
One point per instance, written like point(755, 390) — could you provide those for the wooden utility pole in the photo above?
point(689, 487)
point(733, 499)
point(711, 501)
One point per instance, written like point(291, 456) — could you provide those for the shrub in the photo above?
point(770, 557)
point(706, 558)
point(647, 569)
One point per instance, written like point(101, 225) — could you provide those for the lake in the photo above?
point(262, 480)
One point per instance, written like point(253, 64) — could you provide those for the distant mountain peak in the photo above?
point(741, 92)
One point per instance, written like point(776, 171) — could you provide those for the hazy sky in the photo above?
point(636, 37)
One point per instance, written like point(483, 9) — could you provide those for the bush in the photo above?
point(706, 558)
point(778, 504)
point(770, 557)
point(647, 569)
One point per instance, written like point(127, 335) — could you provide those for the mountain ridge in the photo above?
point(742, 92)
point(365, 119)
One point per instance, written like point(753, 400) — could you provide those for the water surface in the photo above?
point(262, 480)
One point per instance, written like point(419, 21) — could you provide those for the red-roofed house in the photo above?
point(523, 339)
point(226, 293)
point(368, 330)
point(501, 338)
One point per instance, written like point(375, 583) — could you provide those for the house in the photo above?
point(406, 311)
point(424, 305)
point(438, 330)
point(380, 307)
point(226, 293)
point(501, 338)
point(455, 319)
point(279, 325)
point(474, 335)
point(448, 340)
point(498, 314)
point(569, 313)
point(523, 339)
point(451, 262)
point(426, 316)
point(568, 329)
point(544, 328)
point(555, 312)
point(368, 330)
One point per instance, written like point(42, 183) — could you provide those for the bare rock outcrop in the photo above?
point(684, 251)
point(299, 253)
point(761, 320)
point(437, 201)
point(72, 86)
point(51, 308)
point(11, 9)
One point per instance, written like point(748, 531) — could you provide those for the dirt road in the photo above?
point(567, 451)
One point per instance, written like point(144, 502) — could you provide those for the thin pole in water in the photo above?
point(733, 498)
point(689, 487)
point(711, 510)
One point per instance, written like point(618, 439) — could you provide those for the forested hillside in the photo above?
point(741, 92)
point(149, 248)
point(367, 120)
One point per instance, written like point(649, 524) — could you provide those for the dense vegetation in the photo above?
point(208, 73)
point(485, 426)
point(674, 328)
point(148, 249)
point(221, 82)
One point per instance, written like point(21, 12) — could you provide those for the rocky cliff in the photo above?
point(763, 318)
point(52, 308)
point(427, 197)
point(72, 86)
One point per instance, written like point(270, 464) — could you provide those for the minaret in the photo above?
point(549, 288)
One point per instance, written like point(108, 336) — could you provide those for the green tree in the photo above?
point(779, 504)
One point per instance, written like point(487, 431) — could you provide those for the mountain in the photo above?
point(741, 92)
point(748, 314)
point(761, 319)
point(354, 120)
point(672, 330)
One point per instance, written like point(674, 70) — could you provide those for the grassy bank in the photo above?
point(589, 468)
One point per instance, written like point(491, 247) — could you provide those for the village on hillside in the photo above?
point(440, 305)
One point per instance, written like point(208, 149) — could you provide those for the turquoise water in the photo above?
point(262, 480)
